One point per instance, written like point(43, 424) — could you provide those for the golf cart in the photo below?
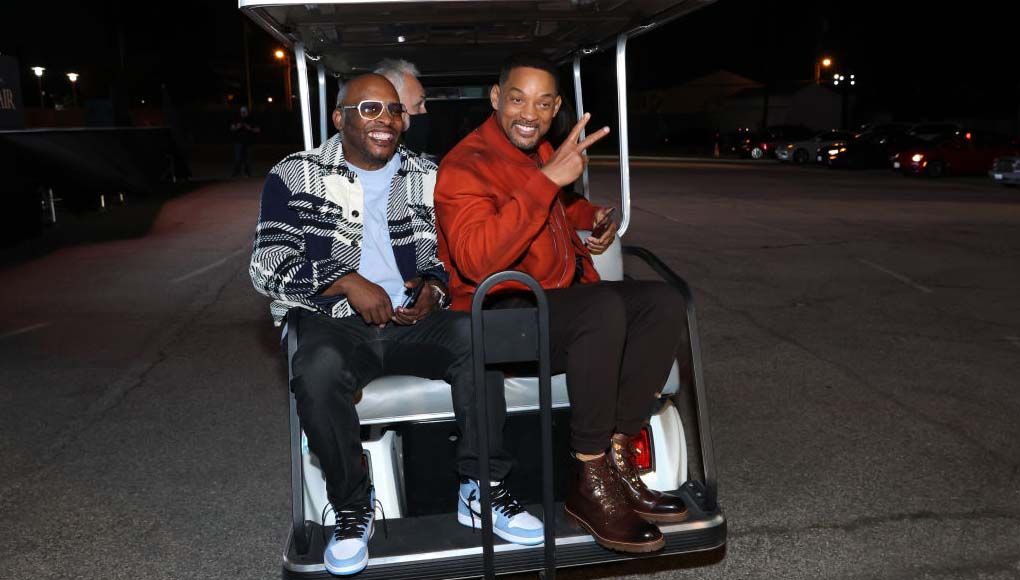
point(408, 428)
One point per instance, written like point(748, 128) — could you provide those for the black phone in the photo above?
point(412, 295)
point(601, 227)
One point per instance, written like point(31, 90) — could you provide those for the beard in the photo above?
point(527, 144)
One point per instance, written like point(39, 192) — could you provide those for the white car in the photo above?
point(812, 149)
point(1006, 170)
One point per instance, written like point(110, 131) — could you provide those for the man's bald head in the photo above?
point(368, 143)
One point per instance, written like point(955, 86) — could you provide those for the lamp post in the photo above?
point(73, 77)
point(281, 54)
point(824, 62)
point(38, 70)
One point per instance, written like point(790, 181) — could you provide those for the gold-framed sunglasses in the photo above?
point(372, 110)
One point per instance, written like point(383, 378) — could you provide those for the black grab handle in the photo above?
point(700, 392)
point(520, 346)
point(297, 498)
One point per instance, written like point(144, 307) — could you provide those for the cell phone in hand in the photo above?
point(412, 295)
point(601, 227)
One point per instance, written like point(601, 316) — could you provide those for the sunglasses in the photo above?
point(372, 110)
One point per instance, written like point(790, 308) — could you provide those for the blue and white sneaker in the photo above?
point(510, 520)
point(347, 549)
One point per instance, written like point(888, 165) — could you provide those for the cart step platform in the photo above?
point(444, 549)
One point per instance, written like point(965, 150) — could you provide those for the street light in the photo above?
point(73, 77)
point(38, 70)
point(843, 94)
point(824, 62)
point(280, 54)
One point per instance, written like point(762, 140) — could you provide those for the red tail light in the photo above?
point(643, 450)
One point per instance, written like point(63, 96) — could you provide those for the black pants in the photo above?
point(241, 160)
point(616, 341)
point(338, 356)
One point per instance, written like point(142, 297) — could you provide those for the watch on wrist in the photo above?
point(443, 299)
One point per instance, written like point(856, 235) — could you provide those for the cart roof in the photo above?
point(455, 37)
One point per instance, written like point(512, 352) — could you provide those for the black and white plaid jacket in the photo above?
point(309, 232)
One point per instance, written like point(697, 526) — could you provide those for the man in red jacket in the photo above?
point(500, 205)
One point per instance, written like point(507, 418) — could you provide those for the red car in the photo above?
point(960, 153)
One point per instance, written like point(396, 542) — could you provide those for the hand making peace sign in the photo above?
point(567, 162)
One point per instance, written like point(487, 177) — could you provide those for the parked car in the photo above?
point(884, 128)
point(811, 149)
point(760, 144)
point(743, 143)
point(931, 131)
point(961, 153)
point(1006, 170)
point(869, 150)
point(778, 135)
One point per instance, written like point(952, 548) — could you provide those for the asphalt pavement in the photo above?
point(861, 335)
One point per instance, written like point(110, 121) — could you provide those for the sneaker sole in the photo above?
point(466, 520)
point(626, 547)
point(348, 570)
point(351, 568)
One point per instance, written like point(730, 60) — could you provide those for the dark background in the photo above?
point(915, 60)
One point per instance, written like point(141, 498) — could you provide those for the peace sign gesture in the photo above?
point(567, 162)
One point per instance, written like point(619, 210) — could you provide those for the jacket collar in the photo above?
point(493, 135)
point(332, 160)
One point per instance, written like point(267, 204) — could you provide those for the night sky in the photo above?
point(940, 59)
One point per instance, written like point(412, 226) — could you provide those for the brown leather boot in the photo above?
point(597, 502)
point(653, 506)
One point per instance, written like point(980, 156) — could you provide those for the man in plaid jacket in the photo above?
point(346, 233)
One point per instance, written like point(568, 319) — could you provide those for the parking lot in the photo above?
point(861, 334)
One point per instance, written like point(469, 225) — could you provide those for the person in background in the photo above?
point(243, 131)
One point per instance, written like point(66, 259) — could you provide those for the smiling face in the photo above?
point(526, 104)
point(369, 144)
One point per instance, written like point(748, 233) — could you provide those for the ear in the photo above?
point(558, 103)
point(338, 119)
point(494, 96)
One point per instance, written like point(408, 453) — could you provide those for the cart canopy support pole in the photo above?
point(579, 102)
point(323, 117)
point(621, 100)
point(302, 75)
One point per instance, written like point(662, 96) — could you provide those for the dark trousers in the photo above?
point(616, 341)
point(241, 160)
point(336, 357)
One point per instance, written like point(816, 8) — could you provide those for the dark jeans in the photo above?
point(338, 356)
point(241, 160)
point(617, 342)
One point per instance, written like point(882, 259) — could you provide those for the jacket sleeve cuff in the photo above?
point(586, 216)
point(325, 272)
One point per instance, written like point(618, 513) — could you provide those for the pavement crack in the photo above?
point(806, 244)
point(118, 391)
point(873, 521)
point(980, 568)
point(865, 382)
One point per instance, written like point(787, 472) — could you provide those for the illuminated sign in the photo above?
point(12, 113)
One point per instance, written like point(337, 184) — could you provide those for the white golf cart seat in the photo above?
point(396, 399)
